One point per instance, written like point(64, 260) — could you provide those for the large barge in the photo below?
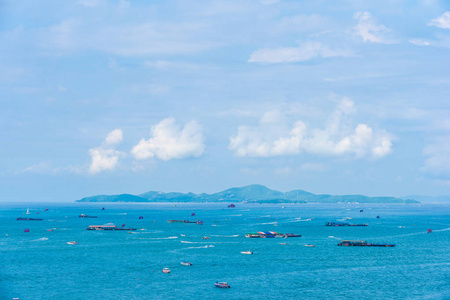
point(363, 244)
point(270, 234)
point(343, 224)
point(109, 226)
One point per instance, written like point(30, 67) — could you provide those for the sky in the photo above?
point(123, 96)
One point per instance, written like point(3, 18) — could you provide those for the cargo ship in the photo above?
point(343, 224)
point(363, 244)
point(270, 234)
point(109, 226)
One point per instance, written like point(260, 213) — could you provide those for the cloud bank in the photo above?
point(272, 138)
point(170, 141)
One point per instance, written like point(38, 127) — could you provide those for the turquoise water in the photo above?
point(119, 265)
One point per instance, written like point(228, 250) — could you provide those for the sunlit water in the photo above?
point(120, 265)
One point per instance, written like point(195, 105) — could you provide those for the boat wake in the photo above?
point(41, 239)
point(166, 238)
point(186, 242)
point(236, 235)
point(201, 247)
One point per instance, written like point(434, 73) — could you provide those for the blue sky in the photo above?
point(339, 97)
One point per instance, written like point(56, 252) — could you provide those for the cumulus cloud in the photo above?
point(304, 52)
point(370, 31)
point(441, 22)
point(338, 138)
point(105, 157)
point(170, 141)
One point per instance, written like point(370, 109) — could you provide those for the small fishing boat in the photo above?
point(283, 243)
point(429, 231)
point(166, 270)
point(309, 245)
point(223, 285)
point(186, 263)
point(72, 243)
point(206, 238)
point(247, 252)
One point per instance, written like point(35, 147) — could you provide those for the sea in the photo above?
point(39, 264)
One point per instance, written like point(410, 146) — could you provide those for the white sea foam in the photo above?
point(41, 239)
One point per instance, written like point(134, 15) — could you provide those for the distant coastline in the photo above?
point(247, 194)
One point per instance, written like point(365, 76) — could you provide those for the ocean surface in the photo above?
point(39, 264)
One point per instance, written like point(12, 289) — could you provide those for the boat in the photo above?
point(28, 211)
point(223, 285)
point(247, 252)
point(283, 243)
point(72, 243)
point(343, 224)
point(86, 216)
point(429, 230)
point(109, 226)
point(287, 235)
point(206, 238)
point(186, 263)
point(181, 221)
point(270, 234)
point(231, 206)
point(363, 244)
point(29, 219)
point(166, 270)
point(309, 245)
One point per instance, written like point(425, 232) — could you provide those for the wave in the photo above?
point(186, 242)
point(41, 239)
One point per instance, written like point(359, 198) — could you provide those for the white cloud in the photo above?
point(419, 42)
point(441, 22)
point(304, 52)
point(170, 141)
point(105, 157)
point(338, 138)
point(370, 31)
point(438, 154)
point(114, 137)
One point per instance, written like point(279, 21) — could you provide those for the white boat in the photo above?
point(166, 270)
point(186, 263)
point(309, 245)
point(72, 243)
point(247, 252)
point(28, 211)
